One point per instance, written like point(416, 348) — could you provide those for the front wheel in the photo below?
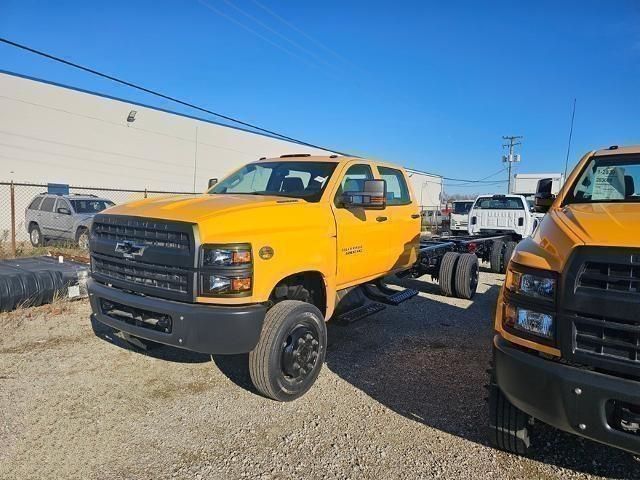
point(509, 427)
point(291, 350)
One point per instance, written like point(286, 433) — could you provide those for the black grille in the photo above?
point(169, 279)
point(611, 276)
point(599, 309)
point(149, 232)
point(608, 338)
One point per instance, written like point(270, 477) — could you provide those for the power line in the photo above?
point(158, 94)
point(481, 180)
point(277, 33)
point(302, 32)
point(253, 32)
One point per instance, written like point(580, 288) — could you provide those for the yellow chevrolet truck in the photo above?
point(566, 349)
point(258, 263)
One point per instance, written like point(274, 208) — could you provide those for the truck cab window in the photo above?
point(353, 180)
point(397, 190)
point(305, 180)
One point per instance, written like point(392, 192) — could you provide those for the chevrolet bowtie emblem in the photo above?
point(129, 249)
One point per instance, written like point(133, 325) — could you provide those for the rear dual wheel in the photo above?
point(459, 274)
point(501, 253)
point(290, 352)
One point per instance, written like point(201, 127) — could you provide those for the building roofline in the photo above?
point(184, 115)
point(422, 172)
point(152, 107)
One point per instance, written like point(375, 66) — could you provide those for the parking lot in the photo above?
point(401, 396)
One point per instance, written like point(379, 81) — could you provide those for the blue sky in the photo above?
point(430, 85)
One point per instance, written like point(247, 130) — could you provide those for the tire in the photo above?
point(497, 256)
point(292, 329)
point(509, 427)
point(82, 238)
point(467, 273)
point(446, 277)
point(35, 235)
point(508, 253)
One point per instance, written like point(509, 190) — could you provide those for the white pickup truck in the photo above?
point(492, 214)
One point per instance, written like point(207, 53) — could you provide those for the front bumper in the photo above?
point(211, 329)
point(547, 390)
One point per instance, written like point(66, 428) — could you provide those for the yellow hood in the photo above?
point(197, 208)
point(606, 224)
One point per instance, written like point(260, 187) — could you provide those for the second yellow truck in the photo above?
point(567, 326)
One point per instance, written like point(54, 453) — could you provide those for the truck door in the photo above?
point(362, 235)
point(403, 218)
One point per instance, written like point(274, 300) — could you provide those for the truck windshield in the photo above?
point(499, 203)
point(90, 206)
point(605, 179)
point(305, 180)
point(461, 208)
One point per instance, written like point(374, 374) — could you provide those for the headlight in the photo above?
point(542, 285)
point(530, 321)
point(226, 270)
point(226, 255)
point(214, 284)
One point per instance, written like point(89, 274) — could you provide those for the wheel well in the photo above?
point(32, 224)
point(80, 229)
point(288, 288)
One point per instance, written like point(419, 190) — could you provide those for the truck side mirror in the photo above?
point(64, 211)
point(212, 182)
point(373, 196)
point(544, 198)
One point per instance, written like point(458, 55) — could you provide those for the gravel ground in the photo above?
point(401, 396)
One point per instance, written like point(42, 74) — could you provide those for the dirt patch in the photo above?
point(401, 396)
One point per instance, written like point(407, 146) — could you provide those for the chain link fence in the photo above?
point(36, 217)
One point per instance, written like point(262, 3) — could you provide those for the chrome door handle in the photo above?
point(381, 219)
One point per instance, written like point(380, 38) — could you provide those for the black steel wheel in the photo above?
point(290, 352)
point(497, 256)
point(446, 276)
point(509, 427)
point(467, 275)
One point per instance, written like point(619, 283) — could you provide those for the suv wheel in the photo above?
point(82, 238)
point(291, 350)
point(35, 235)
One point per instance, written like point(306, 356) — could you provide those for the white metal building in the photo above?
point(527, 183)
point(51, 133)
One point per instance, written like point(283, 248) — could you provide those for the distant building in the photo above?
point(526, 183)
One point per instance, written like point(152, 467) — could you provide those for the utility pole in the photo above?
point(511, 158)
